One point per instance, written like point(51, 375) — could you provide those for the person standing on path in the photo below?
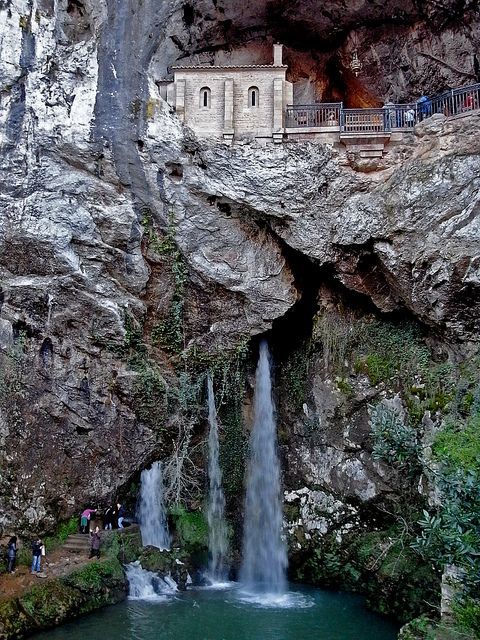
point(85, 519)
point(107, 518)
point(95, 542)
point(36, 555)
point(121, 515)
point(12, 554)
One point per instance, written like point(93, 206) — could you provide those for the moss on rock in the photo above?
point(50, 602)
point(191, 529)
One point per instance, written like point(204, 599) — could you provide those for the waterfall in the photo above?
point(151, 513)
point(264, 553)
point(146, 585)
point(217, 528)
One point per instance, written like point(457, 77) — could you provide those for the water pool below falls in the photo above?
point(207, 614)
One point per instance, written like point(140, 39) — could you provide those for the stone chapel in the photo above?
point(233, 101)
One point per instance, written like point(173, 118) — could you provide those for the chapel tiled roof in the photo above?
point(228, 66)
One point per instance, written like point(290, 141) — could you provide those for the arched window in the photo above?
point(205, 98)
point(253, 97)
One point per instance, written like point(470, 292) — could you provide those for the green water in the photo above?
point(222, 615)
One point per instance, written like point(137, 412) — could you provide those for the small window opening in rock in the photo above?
point(205, 97)
point(82, 431)
point(85, 388)
point(21, 331)
point(225, 208)
point(140, 144)
point(75, 6)
point(175, 171)
point(46, 352)
point(188, 14)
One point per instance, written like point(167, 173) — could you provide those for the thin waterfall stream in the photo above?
point(217, 528)
point(152, 516)
point(264, 563)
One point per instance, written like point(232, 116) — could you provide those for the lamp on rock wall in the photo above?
point(355, 64)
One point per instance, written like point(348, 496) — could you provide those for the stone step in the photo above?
point(371, 154)
point(366, 147)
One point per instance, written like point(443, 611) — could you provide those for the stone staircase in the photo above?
point(77, 543)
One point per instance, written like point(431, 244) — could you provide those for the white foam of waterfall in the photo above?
point(146, 585)
point(264, 553)
point(217, 528)
point(151, 512)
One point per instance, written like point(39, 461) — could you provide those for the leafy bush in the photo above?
point(451, 533)
point(394, 440)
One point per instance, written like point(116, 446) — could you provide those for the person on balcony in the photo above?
point(410, 117)
point(424, 107)
point(468, 103)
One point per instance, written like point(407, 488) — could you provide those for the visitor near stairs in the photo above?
point(85, 519)
point(12, 554)
point(424, 106)
point(410, 117)
point(38, 550)
point(108, 518)
point(121, 515)
point(95, 542)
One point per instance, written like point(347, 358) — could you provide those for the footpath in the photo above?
point(68, 557)
point(69, 585)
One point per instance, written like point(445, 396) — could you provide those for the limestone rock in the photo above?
point(93, 161)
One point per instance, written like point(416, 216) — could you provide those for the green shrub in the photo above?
point(467, 615)
point(191, 528)
point(394, 440)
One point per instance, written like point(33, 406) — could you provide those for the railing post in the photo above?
point(342, 117)
point(388, 108)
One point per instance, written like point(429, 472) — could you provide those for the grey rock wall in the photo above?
point(89, 151)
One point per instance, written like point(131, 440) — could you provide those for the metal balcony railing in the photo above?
point(325, 114)
point(385, 119)
point(364, 121)
point(457, 101)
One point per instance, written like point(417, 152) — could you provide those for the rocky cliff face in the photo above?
point(125, 241)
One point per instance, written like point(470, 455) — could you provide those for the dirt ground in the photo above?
point(55, 564)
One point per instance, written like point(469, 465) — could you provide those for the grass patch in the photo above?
point(64, 530)
point(458, 445)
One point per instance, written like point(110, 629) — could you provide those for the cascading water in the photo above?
point(217, 528)
point(151, 513)
point(146, 585)
point(264, 553)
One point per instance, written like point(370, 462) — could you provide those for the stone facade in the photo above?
point(233, 101)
